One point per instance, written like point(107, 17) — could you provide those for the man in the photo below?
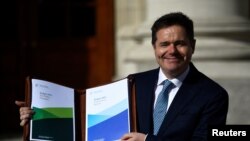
point(190, 102)
point(195, 102)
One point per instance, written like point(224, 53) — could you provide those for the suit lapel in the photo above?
point(145, 98)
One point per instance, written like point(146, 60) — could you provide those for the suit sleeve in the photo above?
point(214, 114)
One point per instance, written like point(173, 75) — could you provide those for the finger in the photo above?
point(20, 103)
point(126, 136)
point(23, 122)
point(22, 109)
point(25, 116)
point(25, 110)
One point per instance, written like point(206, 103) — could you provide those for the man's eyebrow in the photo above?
point(164, 43)
point(176, 42)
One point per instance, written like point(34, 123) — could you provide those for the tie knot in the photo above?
point(166, 82)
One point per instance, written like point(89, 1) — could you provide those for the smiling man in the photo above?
point(190, 103)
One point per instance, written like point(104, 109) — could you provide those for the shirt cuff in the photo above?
point(145, 137)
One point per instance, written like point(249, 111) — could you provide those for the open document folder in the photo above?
point(102, 113)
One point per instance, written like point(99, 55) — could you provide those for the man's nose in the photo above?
point(172, 48)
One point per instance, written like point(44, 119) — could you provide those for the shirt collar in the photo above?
point(176, 81)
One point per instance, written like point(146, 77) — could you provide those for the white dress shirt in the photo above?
point(177, 84)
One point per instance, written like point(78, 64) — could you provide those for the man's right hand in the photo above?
point(25, 112)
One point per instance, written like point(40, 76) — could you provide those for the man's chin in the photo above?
point(172, 67)
point(173, 70)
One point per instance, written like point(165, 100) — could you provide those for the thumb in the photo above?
point(20, 103)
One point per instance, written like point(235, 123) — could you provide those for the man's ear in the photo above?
point(153, 45)
point(193, 43)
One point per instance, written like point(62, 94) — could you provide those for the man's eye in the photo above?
point(180, 43)
point(164, 44)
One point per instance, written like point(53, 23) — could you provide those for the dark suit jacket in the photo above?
point(199, 103)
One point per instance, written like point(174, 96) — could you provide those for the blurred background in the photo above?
point(85, 43)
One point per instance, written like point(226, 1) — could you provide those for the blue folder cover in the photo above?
point(107, 112)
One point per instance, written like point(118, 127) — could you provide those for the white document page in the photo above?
point(54, 117)
point(107, 111)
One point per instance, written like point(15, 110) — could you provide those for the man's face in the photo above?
point(173, 50)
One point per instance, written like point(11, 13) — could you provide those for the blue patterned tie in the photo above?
point(161, 106)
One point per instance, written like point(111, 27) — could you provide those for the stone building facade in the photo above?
point(222, 30)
